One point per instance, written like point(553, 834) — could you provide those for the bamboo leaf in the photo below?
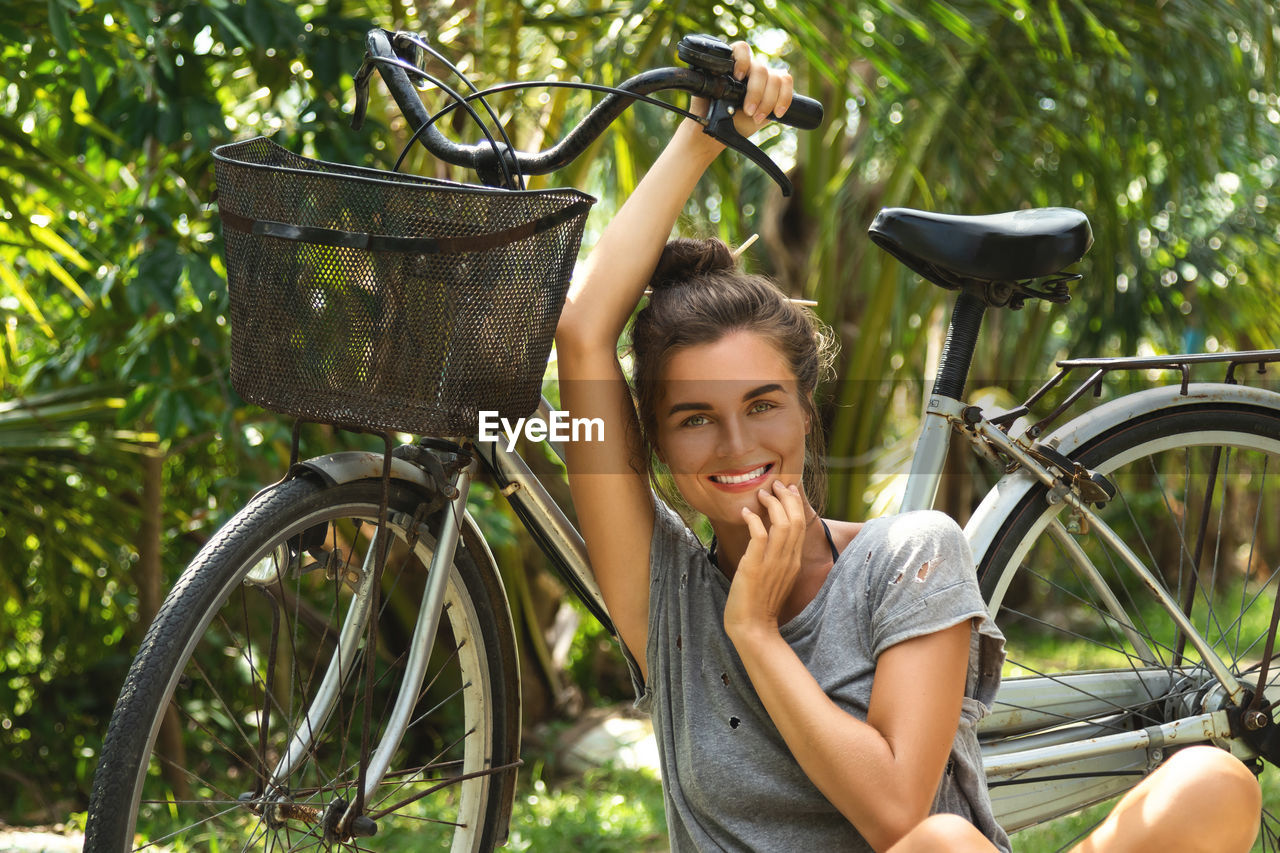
point(50, 239)
point(60, 25)
point(17, 288)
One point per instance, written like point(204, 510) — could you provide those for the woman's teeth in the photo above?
point(740, 478)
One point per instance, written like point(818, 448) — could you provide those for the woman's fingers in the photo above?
point(741, 59)
point(757, 81)
point(769, 97)
point(779, 520)
point(788, 503)
point(769, 91)
point(787, 92)
point(796, 506)
point(786, 520)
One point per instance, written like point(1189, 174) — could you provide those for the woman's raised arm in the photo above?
point(607, 478)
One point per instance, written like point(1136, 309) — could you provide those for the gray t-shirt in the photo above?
point(730, 781)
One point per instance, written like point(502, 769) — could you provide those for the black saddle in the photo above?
point(1008, 249)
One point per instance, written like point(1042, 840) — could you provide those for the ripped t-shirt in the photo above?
point(729, 779)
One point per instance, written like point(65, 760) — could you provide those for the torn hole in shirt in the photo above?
point(925, 568)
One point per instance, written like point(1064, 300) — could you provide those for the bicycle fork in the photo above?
point(353, 821)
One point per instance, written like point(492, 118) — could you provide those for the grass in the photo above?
point(609, 810)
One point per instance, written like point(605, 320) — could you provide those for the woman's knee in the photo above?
point(1214, 785)
point(1216, 774)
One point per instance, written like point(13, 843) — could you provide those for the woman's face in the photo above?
point(730, 422)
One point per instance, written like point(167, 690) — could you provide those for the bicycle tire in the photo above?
point(1162, 464)
point(239, 690)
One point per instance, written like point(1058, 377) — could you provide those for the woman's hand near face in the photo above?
point(767, 572)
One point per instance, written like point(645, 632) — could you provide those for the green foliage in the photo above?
point(1158, 122)
point(113, 304)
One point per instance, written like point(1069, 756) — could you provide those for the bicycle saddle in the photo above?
point(957, 251)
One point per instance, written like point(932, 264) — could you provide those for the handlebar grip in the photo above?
point(805, 113)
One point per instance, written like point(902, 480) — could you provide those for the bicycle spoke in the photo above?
point(1108, 618)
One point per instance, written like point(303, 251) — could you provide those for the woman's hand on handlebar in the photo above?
point(769, 91)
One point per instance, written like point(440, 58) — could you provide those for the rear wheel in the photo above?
point(1090, 653)
point(244, 717)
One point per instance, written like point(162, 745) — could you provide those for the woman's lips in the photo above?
point(743, 480)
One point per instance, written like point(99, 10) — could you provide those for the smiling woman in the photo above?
point(756, 656)
point(730, 419)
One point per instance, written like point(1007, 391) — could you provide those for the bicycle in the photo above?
point(359, 601)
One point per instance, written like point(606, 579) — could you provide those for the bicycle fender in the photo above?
point(351, 465)
point(1005, 496)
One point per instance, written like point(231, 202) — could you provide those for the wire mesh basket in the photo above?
point(382, 301)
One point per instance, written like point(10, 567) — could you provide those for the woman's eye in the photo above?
point(694, 420)
point(760, 406)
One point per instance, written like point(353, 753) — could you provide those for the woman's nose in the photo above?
point(734, 438)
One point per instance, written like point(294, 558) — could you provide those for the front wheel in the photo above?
point(244, 717)
point(1090, 652)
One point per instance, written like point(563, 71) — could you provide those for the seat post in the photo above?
point(957, 351)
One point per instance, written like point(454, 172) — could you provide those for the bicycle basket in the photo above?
point(381, 301)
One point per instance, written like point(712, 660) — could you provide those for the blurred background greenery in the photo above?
point(122, 446)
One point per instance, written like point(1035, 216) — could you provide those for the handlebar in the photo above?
point(389, 54)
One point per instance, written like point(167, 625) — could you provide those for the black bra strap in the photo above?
point(835, 552)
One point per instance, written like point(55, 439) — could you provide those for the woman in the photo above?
point(812, 682)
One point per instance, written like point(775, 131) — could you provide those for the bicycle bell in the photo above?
point(706, 52)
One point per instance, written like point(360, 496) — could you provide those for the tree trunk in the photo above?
point(149, 576)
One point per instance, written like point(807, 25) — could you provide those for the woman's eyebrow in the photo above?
point(702, 407)
point(763, 389)
point(689, 407)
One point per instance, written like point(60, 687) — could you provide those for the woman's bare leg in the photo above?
point(948, 832)
point(1201, 799)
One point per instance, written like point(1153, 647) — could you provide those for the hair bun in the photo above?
point(683, 259)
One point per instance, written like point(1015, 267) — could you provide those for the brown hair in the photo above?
point(698, 296)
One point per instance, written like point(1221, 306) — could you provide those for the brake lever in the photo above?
point(361, 84)
point(719, 125)
point(404, 49)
